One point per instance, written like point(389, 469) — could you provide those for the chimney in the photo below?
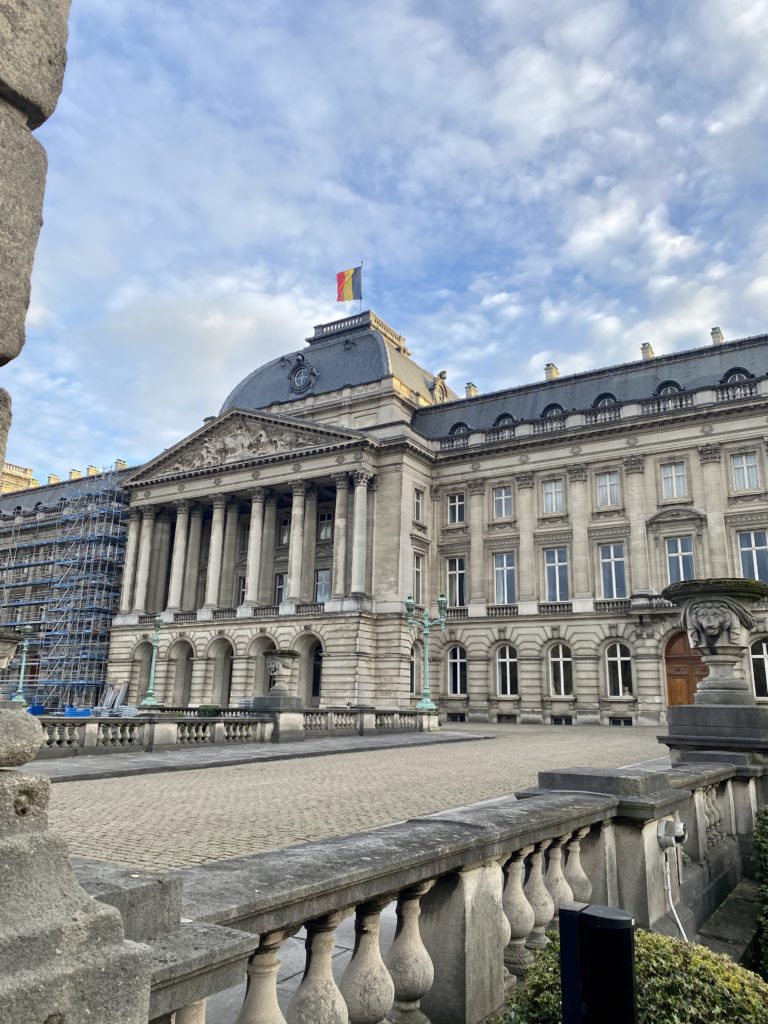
point(53, 479)
point(551, 372)
point(470, 390)
point(120, 464)
point(92, 471)
point(75, 474)
point(717, 336)
point(646, 350)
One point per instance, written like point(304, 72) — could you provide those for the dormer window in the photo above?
point(459, 428)
point(737, 375)
point(552, 411)
point(669, 387)
point(604, 401)
point(505, 420)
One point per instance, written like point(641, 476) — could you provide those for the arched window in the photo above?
point(505, 420)
point(759, 656)
point(506, 671)
point(457, 671)
point(552, 411)
point(618, 665)
point(604, 400)
point(668, 387)
point(560, 671)
point(459, 428)
point(736, 375)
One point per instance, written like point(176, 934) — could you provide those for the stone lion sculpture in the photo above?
point(706, 622)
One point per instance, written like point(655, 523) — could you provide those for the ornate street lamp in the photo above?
point(19, 695)
point(149, 699)
point(426, 703)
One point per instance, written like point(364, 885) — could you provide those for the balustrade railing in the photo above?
point(310, 608)
point(267, 612)
point(63, 736)
point(604, 414)
point(454, 443)
point(618, 605)
point(456, 613)
point(122, 735)
point(501, 611)
point(734, 392)
point(224, 614)
point(549, 425)
point(185, 616)
point(499, 434)
point(555, 607)
point(194, 733)
point(665, 403)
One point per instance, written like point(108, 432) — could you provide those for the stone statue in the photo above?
point(280, 669)
point(716, 622)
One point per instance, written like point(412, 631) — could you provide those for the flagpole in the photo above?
point(360, 308)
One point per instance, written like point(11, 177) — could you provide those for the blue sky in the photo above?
point(525, 182)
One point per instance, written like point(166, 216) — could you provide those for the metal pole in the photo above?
point(18, 697)
point(426, 703)
point(150, 699)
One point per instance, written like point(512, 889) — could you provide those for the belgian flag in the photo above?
point(349, 284)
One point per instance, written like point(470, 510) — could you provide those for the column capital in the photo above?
point(577, 473)
point(342, 481)
point(183, 505)
point(258, 494)
point(195, 509)
point(148, 511)
point(271, 499)
point(220, 500)
point(634, 463)
point(362, 477)
point(524, 480)
point(709, 453)
point(298, 487)
point(163, 515)
point(134, 513)
point(232, 504)
point(310, 489)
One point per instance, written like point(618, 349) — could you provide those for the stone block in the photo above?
point(33, 55)
point(22, 184)
point(149, 904)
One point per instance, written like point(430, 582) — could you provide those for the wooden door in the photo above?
point(684, 670)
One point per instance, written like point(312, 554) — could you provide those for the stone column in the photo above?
point(267, 569)
point(255, 533)
point(477, 595)
point(160, 558)
point(229, 551)
point(296, 543)
point(131, 551)
point(359, 539)
point(192, 563)
point(215, 549)
point(634, 468)
point(179, 556)
point(145, 553)
point(526, 585)
point(709, 456)
point(578, 510)
point(310, 542)
point(339, 581)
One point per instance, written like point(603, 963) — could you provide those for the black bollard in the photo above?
point(597, 965)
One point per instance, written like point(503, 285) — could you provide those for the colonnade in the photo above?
point(159, 537)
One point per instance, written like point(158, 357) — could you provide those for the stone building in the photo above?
point(340, 478)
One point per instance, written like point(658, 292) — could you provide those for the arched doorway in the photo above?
point(684, 670)
point(180, 673)
point(316, 664)
point(259, 650)
point(142, 660)
point(221, 654)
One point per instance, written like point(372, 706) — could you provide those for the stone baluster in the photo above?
point(192, 564)
point(215, 549)
point(539, 898)
point(366, 984)
point(407, 959)
point(145, 553)
point(260, 1005)
point(131, 552)
point(318, 999)
point(519, 913)
point(179, 555)
point(575, 876)
point(554, 879)
point(192, 1014)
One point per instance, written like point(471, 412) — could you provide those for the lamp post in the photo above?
point(426, 703)
point(18, 697)
point(149, 699)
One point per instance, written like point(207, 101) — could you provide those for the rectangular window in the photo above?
point(504, 577)
point(680, 559)
point(753, 550)
point(418, 568)
point(608, 489)
point(502, 502)
point(744, 471)
point(556, 566)
point(418, 505)
point(322, 585)
point(240, 590)
point(281, 582)
point(242, 537)
point(612, 571)
point(457, 582)
point(324, 525)
point(284, 530)
point(673, 480)
point(553, 496)
point(456, 507)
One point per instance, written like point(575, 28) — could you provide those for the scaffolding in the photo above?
point(60, 572)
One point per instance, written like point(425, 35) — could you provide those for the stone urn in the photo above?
point(280, 667)
point(715, 614)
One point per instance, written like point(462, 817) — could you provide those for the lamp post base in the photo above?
point(425, 704)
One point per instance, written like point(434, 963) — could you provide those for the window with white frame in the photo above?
point(506, 671)
point(759, 657)
point(679, 559)
point(502, 502)
point(553, 496)
point(673, 483)
point(456, 507)
point(322, 585)
point(416, 583)
point(504, 577)
point(608, 492)
point(325, 525)
point(556, 573)
point(457, 671)
point(418, 505)
point(618, 665)
point(744, 469)
point(240, 590)
point(612, 570)
point(457, 582)
point(281, 582)
point(560, 671)
point(753, 552)
point(283, 530)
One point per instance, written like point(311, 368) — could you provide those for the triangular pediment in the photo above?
point(243, 437)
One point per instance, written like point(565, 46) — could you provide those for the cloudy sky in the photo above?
point(526, 182)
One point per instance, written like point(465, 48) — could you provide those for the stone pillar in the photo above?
point(255, 533)
point(359, 538)
point(578, 510)
point(710, 458)
point(145, 552)
point(477, 595)
point(161, 556)
point(296, 544)
point(310, 543)
point(229, 552)
point(639, 576)
point(179, 556)
point(192, 563)
point(339, 581)
point(129, 570)
point(527, 603)
point(266, 595)
point(215, 549)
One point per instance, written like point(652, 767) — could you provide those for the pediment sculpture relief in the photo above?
point(238, 442)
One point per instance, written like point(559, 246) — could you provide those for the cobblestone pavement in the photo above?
point(179, 819)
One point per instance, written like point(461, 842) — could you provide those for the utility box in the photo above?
point(597, 964)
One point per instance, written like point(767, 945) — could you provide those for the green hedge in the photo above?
point(761, 875)
point(677, 983)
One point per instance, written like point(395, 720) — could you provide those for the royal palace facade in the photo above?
point(341, 478)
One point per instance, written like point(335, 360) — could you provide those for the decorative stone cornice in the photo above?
point(435, 492)
point(476, 486)
point(709, 453)
point(577, 473)
point(634, 463)
point(524, 480)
